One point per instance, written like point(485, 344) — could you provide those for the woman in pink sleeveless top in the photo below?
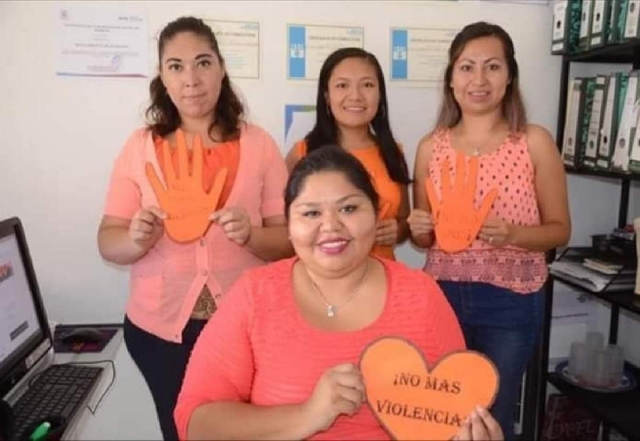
point(175, 287)
point(494, 285)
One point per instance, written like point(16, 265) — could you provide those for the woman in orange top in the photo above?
point(175, 287)
point(352, 112)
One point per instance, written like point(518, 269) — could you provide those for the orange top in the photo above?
point(271, 356)
point(224, 155)
point(509, 170)
point(166, 282)
point(389, 191)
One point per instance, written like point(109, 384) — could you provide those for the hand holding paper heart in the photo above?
point(457, 221)
point(339, 391)
point(185, 202)
point(414, 401)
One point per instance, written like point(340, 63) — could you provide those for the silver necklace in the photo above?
point(332, 309)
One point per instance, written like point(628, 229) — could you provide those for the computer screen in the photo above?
point(24, 332)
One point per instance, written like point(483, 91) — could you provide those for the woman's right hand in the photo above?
point(480, 425)
point(340, 390)
point(420, 222)
point(146, 226)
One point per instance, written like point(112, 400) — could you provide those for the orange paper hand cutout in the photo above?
point(187, 205)
point(457, 222)
point(413, 401)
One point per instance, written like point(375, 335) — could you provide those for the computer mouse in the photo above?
point(82, 335)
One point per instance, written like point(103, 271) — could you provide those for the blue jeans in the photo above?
point(503, 325)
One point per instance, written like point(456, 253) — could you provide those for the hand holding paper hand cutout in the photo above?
point(457, 221)
point(185, 202)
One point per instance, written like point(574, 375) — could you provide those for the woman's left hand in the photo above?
point(235, 223)
point(480, 426)
point(387, 232)
point(496, 232)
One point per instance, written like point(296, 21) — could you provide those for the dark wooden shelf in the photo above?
point(603, 173)
point(620, 410)
point(626, 52)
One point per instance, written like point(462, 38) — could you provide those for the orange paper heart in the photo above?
point(415, 402)
point(457, 222)
point(187, 205)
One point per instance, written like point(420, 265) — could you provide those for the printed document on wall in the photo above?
point(420, 55)
point(308, 47)
point(240, 46)
point(97, 40)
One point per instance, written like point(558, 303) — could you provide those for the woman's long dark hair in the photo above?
point(163, 115)
point(325, 130)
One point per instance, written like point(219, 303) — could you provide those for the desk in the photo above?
point(127, 411)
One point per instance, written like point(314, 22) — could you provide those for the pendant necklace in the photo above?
point(332, 309)
point(476, 151)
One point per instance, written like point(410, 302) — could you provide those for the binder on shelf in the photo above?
point(600, 23)
point(618, 20)
point(632, 24)
point(634, 155)
point(585, 24)
point(566, 26)
point(585, 118)
point(628, 121)
point(595, 122)
point(614, 99)
point(573, 122)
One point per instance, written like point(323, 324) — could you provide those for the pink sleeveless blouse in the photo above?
point(510, 170)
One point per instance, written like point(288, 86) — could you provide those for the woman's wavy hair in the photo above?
point(325, 130)
point(163, 115)
point(512, 104)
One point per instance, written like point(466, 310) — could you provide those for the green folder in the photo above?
point(632, 22)
point(600, 23)
point(628, 121)
point(566, 26)
point(618, 20)
point(595, 122)
point(616, 88)
point(585, 24)
point(571, 152)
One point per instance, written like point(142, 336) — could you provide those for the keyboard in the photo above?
point(58, 391)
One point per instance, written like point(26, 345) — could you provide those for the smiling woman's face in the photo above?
point(332, 224)
point(192, 73)
point(480, 76)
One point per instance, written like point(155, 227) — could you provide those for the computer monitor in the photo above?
point(25, 337)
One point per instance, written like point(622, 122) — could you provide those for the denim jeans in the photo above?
point(505, 326)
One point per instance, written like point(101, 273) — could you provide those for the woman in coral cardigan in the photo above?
point(175, 287)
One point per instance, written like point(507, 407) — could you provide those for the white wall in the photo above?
point(61, 134)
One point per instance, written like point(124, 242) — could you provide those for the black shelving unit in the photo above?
point(622, 410)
